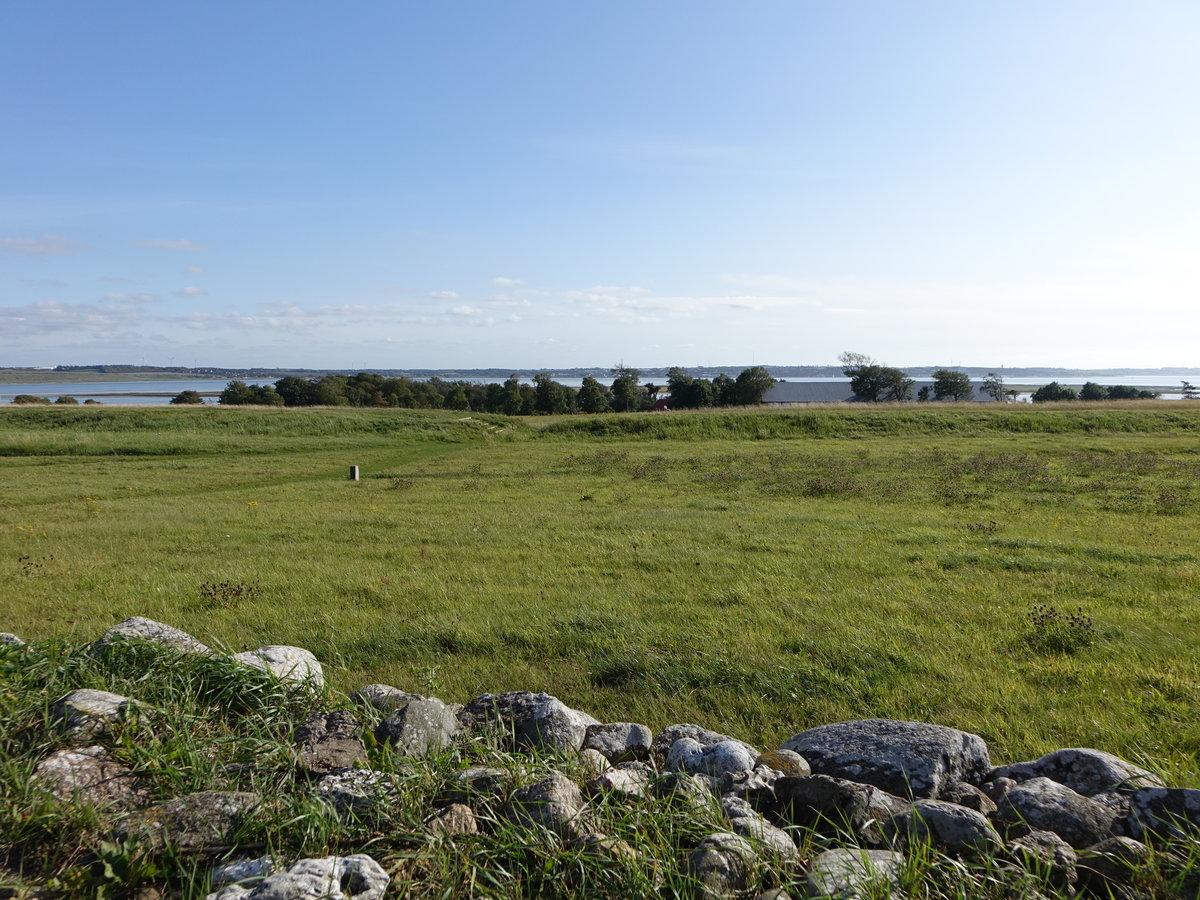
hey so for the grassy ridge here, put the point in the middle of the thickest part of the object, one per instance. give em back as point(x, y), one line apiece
point(719, 568)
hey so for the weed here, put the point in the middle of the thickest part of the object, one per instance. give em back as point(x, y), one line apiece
point(226, 594)
point(1052, 631)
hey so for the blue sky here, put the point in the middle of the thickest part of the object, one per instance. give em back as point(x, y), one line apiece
point(549, 184)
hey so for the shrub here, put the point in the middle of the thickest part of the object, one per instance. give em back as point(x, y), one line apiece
point(30, 400)
point(186, 397)
point(67, 401)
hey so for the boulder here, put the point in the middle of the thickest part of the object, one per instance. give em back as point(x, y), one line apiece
point(1111, 864)
point(8, 639)
point(908, 759)
point(826, 804)
point(249, 871)
point(196, 823)
point(418, 728)
point(631, 782)
point(357, 789)
point(850, 874)
point(762, 833)
point(694, 791)
point(722, 865)
point(971, 797)
point(718, 760)
point(757, 786)
point(593, 762)
point(286, 663)
point(382, 697)
point(619, 741)
point(1169, 812)
point(1046, 805)
point(1044, 853)
point(137, 628)
point(86, 713)
point(89, 777)
point(356, 877)
point(1083, 770)
point(666, 738)
point(450, 821)
point(330, 741)
point(960, 831)
point(785, 762)
point(530, 720)
point(478, 786)
point(554, 803)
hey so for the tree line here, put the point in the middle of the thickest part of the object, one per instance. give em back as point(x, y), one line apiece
point(513, 397)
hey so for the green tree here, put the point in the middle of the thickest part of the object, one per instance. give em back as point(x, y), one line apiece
point(553, 399)
point(457, 398)
point(752, 385)
point(592, 396)
point(1126, 392)
point(872, 382)
point(66, 400)
point(1093, 391)
point(1053, 391)
point(626, 396)
point(185, 398)
point(993, 386)
point(514, 400)
point(1189, 391)
point(951, 385)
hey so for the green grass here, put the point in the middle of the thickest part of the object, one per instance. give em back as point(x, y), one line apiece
point(755, 572)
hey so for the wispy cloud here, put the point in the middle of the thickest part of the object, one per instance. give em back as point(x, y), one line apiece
point(179, 244)
point(189, 292)
point(501, 281)
point(46, 245)
point(114, 314)
point(443, 295)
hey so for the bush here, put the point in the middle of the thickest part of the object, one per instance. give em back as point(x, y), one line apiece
point(30, 400)
point(67, 401)
point(187, 397)
point(1053, 391)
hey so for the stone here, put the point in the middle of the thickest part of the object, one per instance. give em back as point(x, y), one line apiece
point(693, 791)
point(1111, 862)
point(756, 785)
point(718, 759)
point(554, 803)
point(722, 864)
point(196, 823)
point(330, 741)
point(244, 871)
point(88, 713)
point(530, 720)
point(826, 804)
point(1083, 770)
point(286, 663)
point(1045, 853)
point(478, 785)
point(1168, 812)
point(785, 762)
point(357, 789)
point(960, 831)
point(356, 877)
point(762, 833)
point(997, 788)
point(971, 797)
point(593, 762)
point(619, 741)
point(450, 821)
point(666, 738)
point(908, 759)
point(1046, 805)
point(382, 697)
point(7, 639)
point(137, 628)
point(418, 728)
point(88, 776)
point(850, 874)
point(629, 782)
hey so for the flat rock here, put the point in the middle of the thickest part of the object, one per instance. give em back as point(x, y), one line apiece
point(530, 720)
point(1083, 770)
point(722, 865)
point(137, 628)
point(958, 830)
point(248, 871)
point(908, 759)
point(286, 663)
point(1046, 805)
point(330, 741)
point(87, 712)
point(383, 697)
point(850, 874)
point(89, 777)
point(356, 877)
point(619, 741)
point(196, 823)
point(419, 728)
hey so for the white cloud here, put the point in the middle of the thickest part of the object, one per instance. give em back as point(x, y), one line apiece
point(190, 292)
point(180, 244)
point(46, 245)
point(443, 295)
point(195, 270)
point(501, 281)
point(113, 315)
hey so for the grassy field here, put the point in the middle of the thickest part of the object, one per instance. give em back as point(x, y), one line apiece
point(1027, 574)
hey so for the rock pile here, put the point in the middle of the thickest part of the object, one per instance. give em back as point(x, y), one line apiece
point(868, 790)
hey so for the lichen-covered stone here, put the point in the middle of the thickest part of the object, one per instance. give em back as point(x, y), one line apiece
point(330, 741)
point(554, 803)
point(87, 713)
point(137, 628)
point(666, 738)
point(196, 823)
point(722, 864)
point(7, 639)
point(718, 759)
point(382, 697)
point(785, 762)
point(908, 759)
point(453, 820)
point(1164, 811)
point(830, 805)
point(848, 874)
point(1046, 805)
point(419, 728)
point(286, 663)
point(88, 777)
point(630, 782)
point(954, 828)
point(530, 720)
point(1083, 770)
point(357, 789)
point(1045, 853)
point(619, 741)
point(356, 877)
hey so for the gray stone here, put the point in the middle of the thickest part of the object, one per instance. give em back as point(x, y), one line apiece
point(10, 640)
point(757, 786)
point(87, 713)
point(960, 831)
point(908, 759)
point(554, 803)
point(969, 796)
point(593, 762)
point(629, 782)
point(89, 777)
point(137, 628)
point(383, 697)
point(244, 871)
point(1111, 862)
point(1045, 853)
point(785, 762)
point(196, 823)
point(695, 791)
point(330, 741)
point(356, 877)
point(418, 728)
point(719, 759)
point(850, 874)
point(478, 785)
point(826, 804)
point(619, 741)
point(722, 864)
point(666, 738)
point(1083, 770)
point(1170, 812)
point(1046, 805)
point(763, 834)
point(450, 821)
point(286, 663)
point(530, 720)
point(357, 789)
